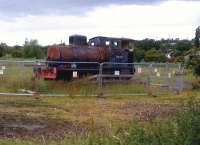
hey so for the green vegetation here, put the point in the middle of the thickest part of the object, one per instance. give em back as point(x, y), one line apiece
point(33, 50)
point(95, 121)
point(152, 119)
point(197, 37)
point(145, 50)
point(30, 49)
point(155, 119)
point(153, 55)
point(18, 77)
point(169, 50)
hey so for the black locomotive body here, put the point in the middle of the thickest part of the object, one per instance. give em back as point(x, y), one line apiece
point(85, 58)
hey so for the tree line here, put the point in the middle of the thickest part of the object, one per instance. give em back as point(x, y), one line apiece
point(168, 50)
point(147, 50)
point(30, 49)
point(164, 50)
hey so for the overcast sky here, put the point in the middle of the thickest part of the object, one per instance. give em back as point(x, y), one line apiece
point(51, 21)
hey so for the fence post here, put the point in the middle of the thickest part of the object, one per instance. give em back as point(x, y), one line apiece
point(149, 78)
point(180, 80)
point(1, 71)
point(100, 81)
point(168, 76)
point(149, 75)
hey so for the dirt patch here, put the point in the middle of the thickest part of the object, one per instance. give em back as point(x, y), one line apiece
point(21, 125)
point(147, 111)
point(154, 111)
point(106, 106)
point(15, 126)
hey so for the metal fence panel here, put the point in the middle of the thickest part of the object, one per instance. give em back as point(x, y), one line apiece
point(18, 77)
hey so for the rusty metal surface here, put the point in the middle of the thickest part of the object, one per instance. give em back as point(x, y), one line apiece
point(53, 53)
point(77, 53)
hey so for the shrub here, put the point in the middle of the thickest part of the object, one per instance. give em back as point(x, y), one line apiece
point(182, 129)
point(188, 123)
point(154, 55)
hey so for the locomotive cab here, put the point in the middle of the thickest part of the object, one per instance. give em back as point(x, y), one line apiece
point(120, 53)
point(120, 50)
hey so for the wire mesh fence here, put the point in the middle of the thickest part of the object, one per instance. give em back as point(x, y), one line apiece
point(108, 79)
point(147, 78)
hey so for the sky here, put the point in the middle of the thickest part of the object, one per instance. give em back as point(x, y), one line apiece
point(53, 21)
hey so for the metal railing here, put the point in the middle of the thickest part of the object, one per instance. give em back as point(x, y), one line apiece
point(147, 77)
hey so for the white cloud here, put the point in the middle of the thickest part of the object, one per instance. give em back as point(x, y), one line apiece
point(174, 19)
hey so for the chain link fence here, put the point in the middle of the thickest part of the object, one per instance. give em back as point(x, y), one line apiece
point(19, 78)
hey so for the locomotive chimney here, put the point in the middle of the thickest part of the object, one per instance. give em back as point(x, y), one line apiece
point(79, 40)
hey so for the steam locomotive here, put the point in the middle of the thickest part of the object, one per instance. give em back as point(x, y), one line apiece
point(83, 58)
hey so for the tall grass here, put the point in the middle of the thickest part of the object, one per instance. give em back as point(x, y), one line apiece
point(19, 77)
point(180, 129)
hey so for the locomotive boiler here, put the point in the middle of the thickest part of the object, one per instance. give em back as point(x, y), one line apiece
point(84, 58)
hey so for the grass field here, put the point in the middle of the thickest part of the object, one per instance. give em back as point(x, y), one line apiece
point(88, 120)
point(50, 120)
point(17, 77)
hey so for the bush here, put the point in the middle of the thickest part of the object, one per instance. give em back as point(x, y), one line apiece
point(194, 64)
point(154, 55)
point(32, 49)
point(3, 48)
point(179, 59)
point(182, 129)
point(188, 123)
point(197, 70)
point(17, 53)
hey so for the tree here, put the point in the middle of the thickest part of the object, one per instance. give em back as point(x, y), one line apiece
point(3, 48)
point(179, 59)
point(139, 55)
point(32, 49)
point(197, 37)
point(197, 70)
point(154, 55)
point(146, 44)
point(17, 51)
point(182, 46)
